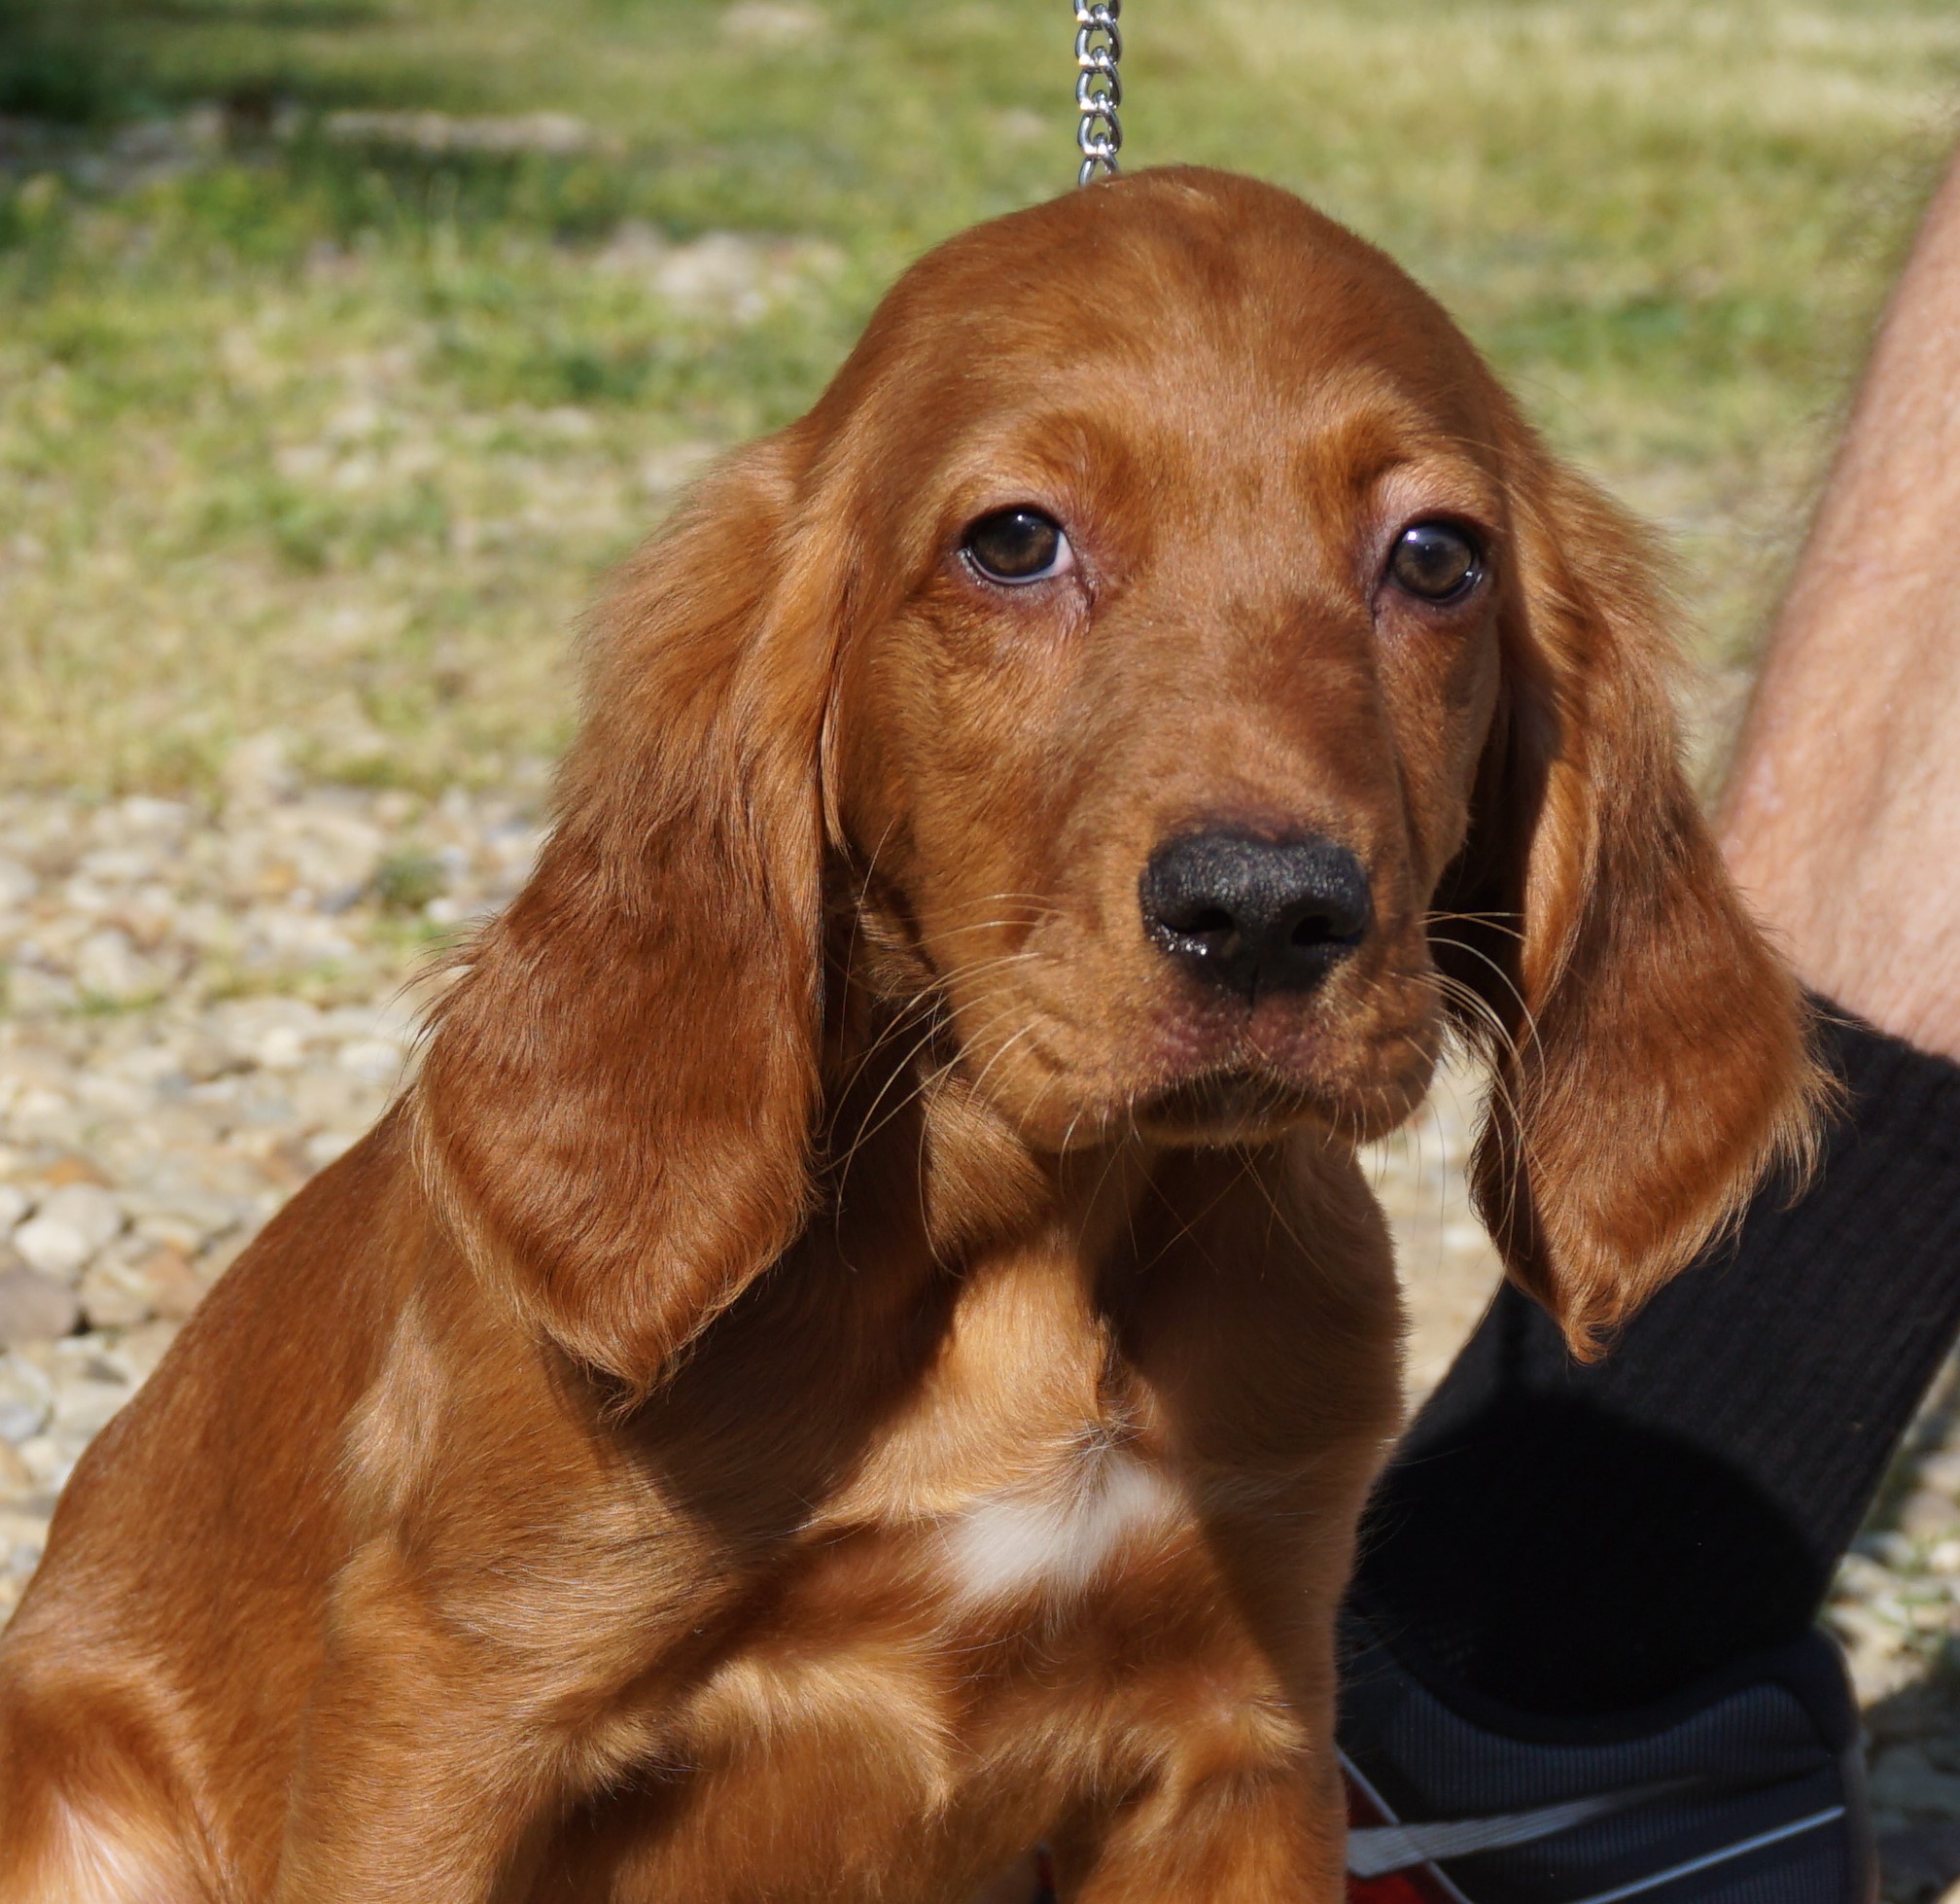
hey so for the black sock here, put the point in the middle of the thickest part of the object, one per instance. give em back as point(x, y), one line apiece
point(1572, 1540)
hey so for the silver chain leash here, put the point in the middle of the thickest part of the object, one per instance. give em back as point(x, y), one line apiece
point(1099, 90)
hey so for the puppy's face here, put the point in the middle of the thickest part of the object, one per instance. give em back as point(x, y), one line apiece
point(1160, 618)
point(1182, 554)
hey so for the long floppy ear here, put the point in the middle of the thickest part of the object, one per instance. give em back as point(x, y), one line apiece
point(1654, 1057)
point(615, 1106)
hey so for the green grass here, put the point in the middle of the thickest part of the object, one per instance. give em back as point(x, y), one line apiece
point(332, 436)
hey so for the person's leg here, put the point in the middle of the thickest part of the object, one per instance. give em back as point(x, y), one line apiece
point(1583, 1542)
point(1842, 815)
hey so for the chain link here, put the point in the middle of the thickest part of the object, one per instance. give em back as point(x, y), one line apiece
point(1099, 90)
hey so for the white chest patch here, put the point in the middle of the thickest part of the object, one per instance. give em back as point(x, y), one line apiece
point(1058, 1539)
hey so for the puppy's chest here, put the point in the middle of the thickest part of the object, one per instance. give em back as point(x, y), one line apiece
point(1012, 1588)
point(1026, 1473)
point(974, 1668)
point(1045, 1542)
point(939, 1617)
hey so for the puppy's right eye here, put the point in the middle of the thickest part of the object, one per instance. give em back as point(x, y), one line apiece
point(1015, 546)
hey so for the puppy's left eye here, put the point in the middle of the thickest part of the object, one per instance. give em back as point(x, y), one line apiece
point(1017, 546)
point(1436, 561)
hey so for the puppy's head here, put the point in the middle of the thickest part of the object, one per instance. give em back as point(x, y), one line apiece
point(1211, 691)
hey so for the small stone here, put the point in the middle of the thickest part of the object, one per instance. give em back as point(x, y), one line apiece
point(113, 1295)
point(47, 1464)
point(176, 1229)
point(1909, 1720)
point(1881, 1665)
point(715, 271)
point(73, 1170)
point(378, 1060)
point(258, 771)
point(118, 1099)
point(1861, 1575)
point(15, 1204)
point(1889, 1549)
point(772, 23)
point(36, 993)
point(35, 1308)
point(53, 1247)
point(1926, 1515)
point(14, 1478)
point(90, 1207)
point(86, 1404)
point(1942, 1473)
point(26, 1400)
point(108, 965)
point(114, 866)
point(283, 1047)
point(73, 1222)
point(1904, 1780)
point(23, 1536)
point(137, 1352)
point(132, 1286)
point(161, 822)
point(16, 884)
point(324, 1148)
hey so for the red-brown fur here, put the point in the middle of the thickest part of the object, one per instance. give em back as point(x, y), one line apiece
point(652, 1464)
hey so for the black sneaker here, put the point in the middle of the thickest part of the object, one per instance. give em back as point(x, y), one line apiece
point(1747, 1788)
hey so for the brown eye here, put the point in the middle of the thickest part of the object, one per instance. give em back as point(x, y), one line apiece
point(1017, 546)
point(1435, 562)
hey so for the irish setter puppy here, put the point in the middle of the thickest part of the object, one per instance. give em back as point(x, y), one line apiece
point(864, 1347)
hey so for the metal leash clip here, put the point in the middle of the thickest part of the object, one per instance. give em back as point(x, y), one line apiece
point(1099, 90)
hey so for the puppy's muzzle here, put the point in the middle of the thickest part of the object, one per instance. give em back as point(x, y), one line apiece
point(1254, 916)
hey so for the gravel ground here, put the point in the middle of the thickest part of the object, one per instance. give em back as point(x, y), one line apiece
point(203, 1006)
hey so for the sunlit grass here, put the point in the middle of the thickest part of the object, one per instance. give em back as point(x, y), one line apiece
point(331, 434)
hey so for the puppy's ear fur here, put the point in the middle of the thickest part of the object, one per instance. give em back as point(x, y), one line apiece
point(615, 1107)
point(1654, 1057)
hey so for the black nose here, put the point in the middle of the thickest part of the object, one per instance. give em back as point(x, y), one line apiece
point(1255, 915)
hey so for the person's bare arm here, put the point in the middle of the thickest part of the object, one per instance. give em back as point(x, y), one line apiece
point(1842, 820)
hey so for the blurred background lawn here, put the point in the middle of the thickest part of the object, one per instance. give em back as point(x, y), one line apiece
point(343, 341)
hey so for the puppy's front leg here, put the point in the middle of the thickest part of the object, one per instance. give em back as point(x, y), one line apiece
point(430, 1751)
